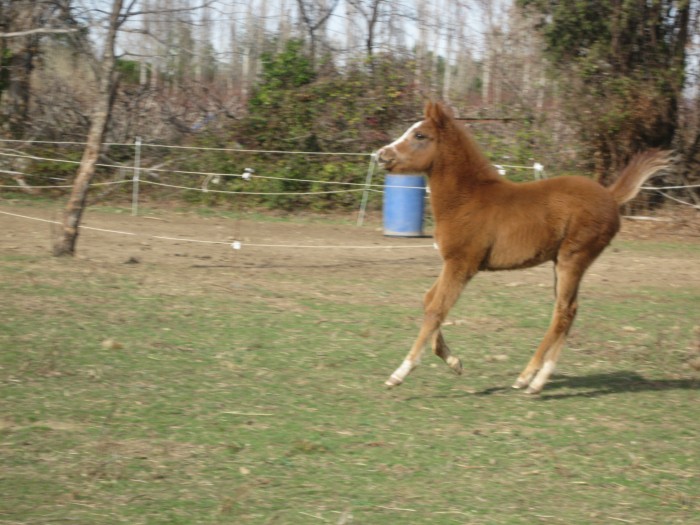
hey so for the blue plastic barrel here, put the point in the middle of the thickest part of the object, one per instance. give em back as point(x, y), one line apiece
point(404, 203)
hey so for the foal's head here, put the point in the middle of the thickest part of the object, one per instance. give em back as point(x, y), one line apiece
point(416, 149)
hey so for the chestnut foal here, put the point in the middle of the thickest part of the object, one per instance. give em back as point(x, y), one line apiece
point(484, 222)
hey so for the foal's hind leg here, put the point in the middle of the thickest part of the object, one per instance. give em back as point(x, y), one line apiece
point(438, 301)
point(439, 345)
point(441, 350)
point(542, 364)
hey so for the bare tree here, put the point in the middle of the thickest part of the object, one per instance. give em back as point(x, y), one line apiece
point(171, 26)
point(314, 15)
point(422, 42)
point(450, 8)
point(105, 71)
point(249, 59)
point(22, 24)
point(284, 28)
point(370, 11)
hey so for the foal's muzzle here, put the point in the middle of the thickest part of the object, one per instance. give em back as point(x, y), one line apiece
point(386, 158)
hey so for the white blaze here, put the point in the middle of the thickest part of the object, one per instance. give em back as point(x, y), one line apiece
point(405, 135)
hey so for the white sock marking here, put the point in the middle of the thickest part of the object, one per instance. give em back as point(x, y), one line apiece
point(542, 376)
point(404, 369)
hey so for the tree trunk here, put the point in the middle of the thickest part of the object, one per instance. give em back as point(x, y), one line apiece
point(19, 53)
point(65, 245)
point(99, 119)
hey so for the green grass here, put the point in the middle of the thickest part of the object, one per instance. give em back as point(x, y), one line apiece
point(263, 402)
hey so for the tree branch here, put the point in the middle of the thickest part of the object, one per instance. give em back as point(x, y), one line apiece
point(39, 30)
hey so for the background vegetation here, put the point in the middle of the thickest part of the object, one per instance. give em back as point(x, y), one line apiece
point(584, 84)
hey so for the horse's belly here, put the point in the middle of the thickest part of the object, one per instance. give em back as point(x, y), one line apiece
point(510, 257)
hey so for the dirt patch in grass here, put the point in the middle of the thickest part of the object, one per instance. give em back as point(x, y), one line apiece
point(269, 248)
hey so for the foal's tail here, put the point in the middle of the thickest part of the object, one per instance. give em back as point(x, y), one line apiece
point(640, 168)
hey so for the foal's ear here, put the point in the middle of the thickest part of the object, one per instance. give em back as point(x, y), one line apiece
point(438, 113)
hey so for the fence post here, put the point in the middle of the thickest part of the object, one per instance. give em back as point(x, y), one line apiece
point(365, 194)
point(137, 172)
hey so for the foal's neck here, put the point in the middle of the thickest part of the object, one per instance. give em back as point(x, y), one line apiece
point(460, 166)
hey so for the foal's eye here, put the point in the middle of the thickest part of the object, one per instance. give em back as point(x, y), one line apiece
point(420, 136)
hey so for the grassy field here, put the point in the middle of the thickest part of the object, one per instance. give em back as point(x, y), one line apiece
point(157, 393)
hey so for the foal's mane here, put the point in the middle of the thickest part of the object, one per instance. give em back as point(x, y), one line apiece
point(458, 149)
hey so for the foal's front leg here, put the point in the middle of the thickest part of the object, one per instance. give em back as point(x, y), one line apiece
point(438, 301)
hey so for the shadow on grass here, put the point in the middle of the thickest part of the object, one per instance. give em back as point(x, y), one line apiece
point(593, 385)
point(596, 385)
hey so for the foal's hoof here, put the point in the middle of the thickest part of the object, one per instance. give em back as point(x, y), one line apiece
point(533, 391)
point(523, 381)
point(393, 381)
point(455, 364)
